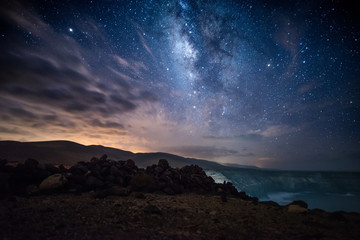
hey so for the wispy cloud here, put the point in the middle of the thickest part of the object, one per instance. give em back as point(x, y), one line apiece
point(66, 95)
point(202, 151)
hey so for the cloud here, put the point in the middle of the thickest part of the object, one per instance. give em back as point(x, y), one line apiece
point(202, 151)
point(106, 124)
point(123, 103)
point(9, 130)
point(59, 84)
point(250, 137)
point(21, 113)
point(277, 130)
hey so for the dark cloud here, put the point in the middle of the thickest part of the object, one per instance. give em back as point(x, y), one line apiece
point(77, 107)
point(106, 124)
point(88, 96)
point(12, 130)
point(56, 94)
point(122, 103)
point(54, 73)
point(21, 113)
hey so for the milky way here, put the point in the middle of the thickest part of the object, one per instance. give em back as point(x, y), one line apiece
point(259, 83)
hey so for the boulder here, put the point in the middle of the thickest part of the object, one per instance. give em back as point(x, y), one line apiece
point(32, 189)
point(53, 182)
point(270, 203)
point(164, 164)
point(93, 182)
point(139, 195)
point(144, 183)
point(31, 163)
point(3, 163)
point(168, 190)
point(152, 209)
point(130, 163)
point(51, 168)
point(118, 191)
point(115, 171)
point(79, 169)
point(299, 203)
point(4, 182)
point(94, 159)
point(296, 209)
point(103, 157)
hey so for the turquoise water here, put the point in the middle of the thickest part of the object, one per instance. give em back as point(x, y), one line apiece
point(331, 191)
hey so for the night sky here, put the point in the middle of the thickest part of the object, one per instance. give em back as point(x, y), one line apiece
point(274, 84)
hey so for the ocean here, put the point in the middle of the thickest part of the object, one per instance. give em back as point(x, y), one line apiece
point(330, 191)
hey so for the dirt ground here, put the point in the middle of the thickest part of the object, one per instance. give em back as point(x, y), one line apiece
point(157, 216)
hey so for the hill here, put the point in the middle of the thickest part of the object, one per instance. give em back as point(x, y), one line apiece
point(69, 153)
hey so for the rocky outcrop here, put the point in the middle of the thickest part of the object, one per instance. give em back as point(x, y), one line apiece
point(106, 177)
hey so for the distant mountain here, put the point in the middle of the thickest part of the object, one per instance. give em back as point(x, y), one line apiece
point(56, 152)
point(69, 153)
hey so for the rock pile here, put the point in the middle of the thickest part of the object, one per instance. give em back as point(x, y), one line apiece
point(106, 177)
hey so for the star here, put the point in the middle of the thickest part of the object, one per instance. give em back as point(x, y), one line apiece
point(246, 73)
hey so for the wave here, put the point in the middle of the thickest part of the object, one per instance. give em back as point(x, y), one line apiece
point(327, 190)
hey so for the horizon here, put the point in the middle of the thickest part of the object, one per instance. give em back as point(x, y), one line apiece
point(267, 84)
point(225, 164)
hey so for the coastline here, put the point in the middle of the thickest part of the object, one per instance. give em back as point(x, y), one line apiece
point(106, 199)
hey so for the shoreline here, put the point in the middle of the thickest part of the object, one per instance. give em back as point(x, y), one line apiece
point(106, 199)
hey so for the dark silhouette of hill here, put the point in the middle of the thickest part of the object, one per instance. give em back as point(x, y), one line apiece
point(69, 153)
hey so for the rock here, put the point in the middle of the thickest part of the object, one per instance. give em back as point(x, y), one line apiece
point(168, 190)
point(270, 203)
point(296, 209)
point(51, 168)
point(100, 193)
point(62, 169)
point(158, 171)
point(53, 182)
point(163, 163)
point(213, 213)
point(338, 216)
point(299, 203)
point(77, 179)
point(3, 163)
point(4, 182)
point(103, 157)
point(32, 189)
point(223, 197)
point(31, 163)
point(105, 171)
point(152, 209)
point(140, 195)
point(79, 169)
point(119, 191)
point(130, 163)
point(144, 183)
point(93, 182)
point(115, 171)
